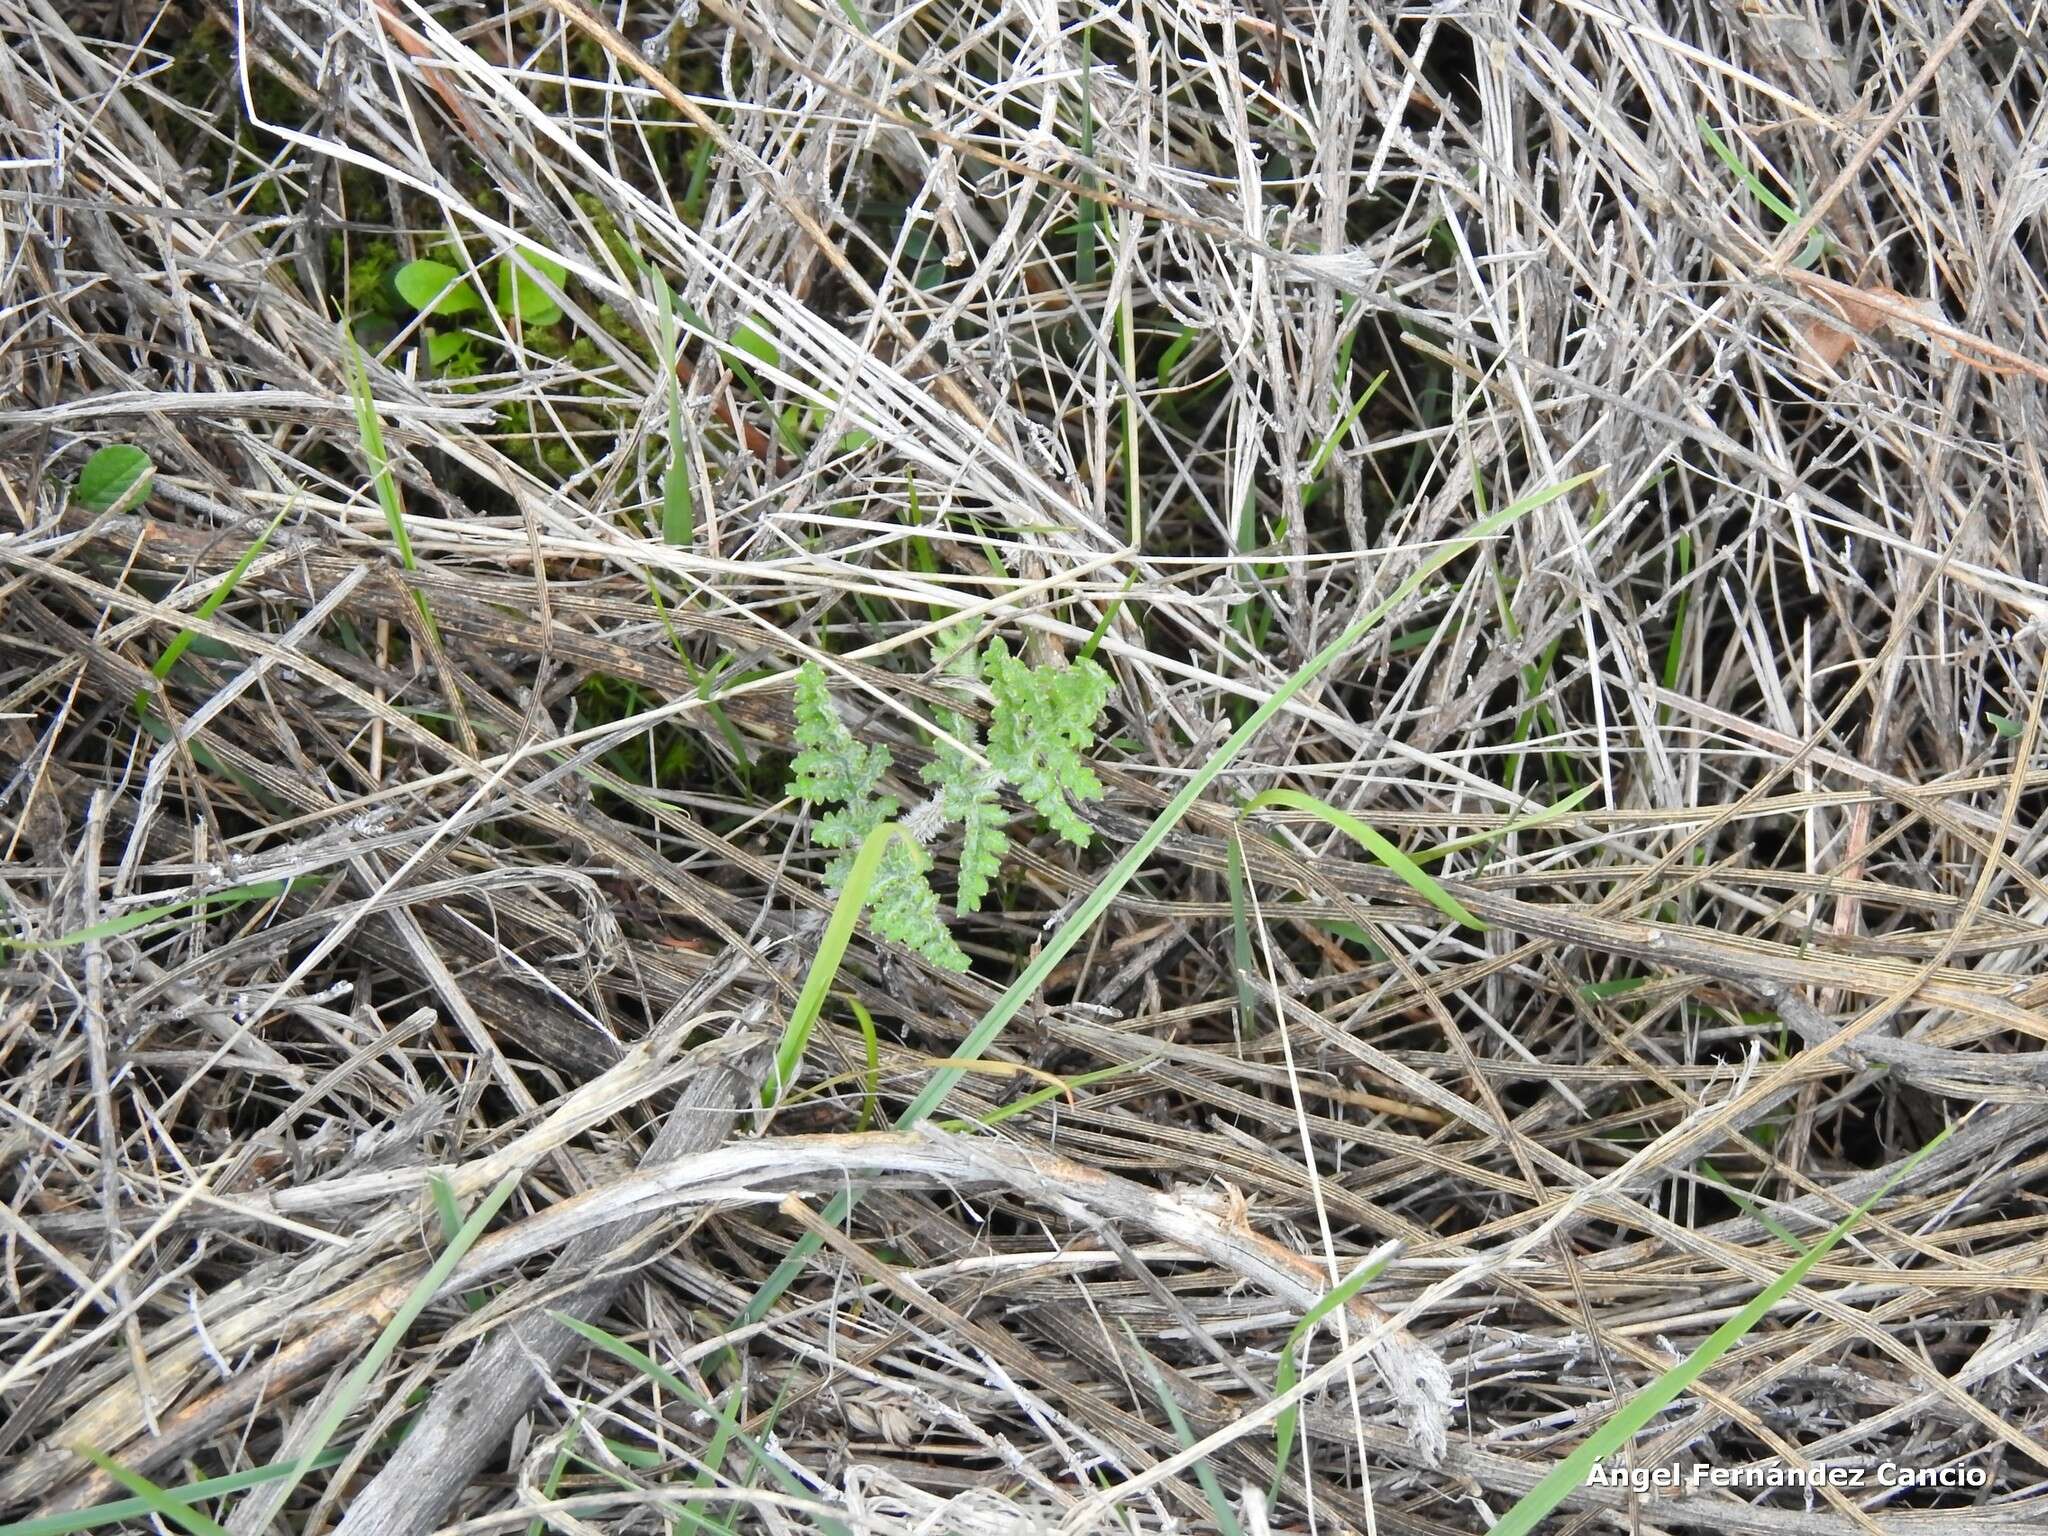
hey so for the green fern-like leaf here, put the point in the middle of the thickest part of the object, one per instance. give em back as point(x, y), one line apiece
point(832, 765)
point(967, 795)
point(906, 908)
point(1042, 727)
point(834, 769)
point(1044, 721)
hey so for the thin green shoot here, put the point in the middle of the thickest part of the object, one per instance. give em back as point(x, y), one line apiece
point(1412, 874)
point(1345, 348)
point(722, 1433)
point(1110, 885)
point(1533, 676)
point(1241, 960)
point(1320, 461)
point(1421, 639)
point(1084, 241)
point(1564, 807)
point(722, 1437)
point(450, 1211)
point(1134, 524)
point(161, 1502)
point(871, 1042)
point(734, 355)
point(846, 911)
point(1162, 372)
point(704, 681)
point(674, 1385)
point(1024, 1103)
point(1219, 1506)
point(700, 175)
point(1566, 1477)
point(678, 510)
point(161, 667)
point(357, 1382)
point(1094, 641)
point(1816, 243)
point(553, 1481)
point(643, 1460)
point(1674, 650)
point(124, 1511)
point(142, 917)
point(1340, 1295)
point(381, 476)
point(1351, 933)
point(445, 1206)
point(1618, 986)
point(1254, 626)
point(1750, 1208)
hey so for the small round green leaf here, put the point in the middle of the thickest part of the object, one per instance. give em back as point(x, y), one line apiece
point(434, 287)
point(118, 475)
point(452, 355)
point(520, 295)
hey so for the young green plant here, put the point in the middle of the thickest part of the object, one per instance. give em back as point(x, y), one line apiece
point(1076, 927)
point(1042, 727)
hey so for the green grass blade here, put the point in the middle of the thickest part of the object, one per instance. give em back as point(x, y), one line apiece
point(700, 172)
point(128, 922)
point(450, 1211)
point(161, 1502)
point(1283, 1380)
point(1321, 460)
point(1182, 343)
point(1413, 874)
point(846, 911)
point(678, 510)
point(705, 681)
point(1120, 874)
point(1815, 243)
point(121, 1511)
point(1088, 211)
point(1750, 1208)
point(871, 1042)
point(358, 1381)
point(1088, 649)
point(735, 357)
point(1134, 515)
point(1674, 650)
point(381, 477)
point(1745, 175)
point(556, 1468)
point(1219, 1506)
point(673, 1384)
point(1639, 1410)
point(1024, 1103)
point(1564, 807)
point(210, 605)
point(445, 1207)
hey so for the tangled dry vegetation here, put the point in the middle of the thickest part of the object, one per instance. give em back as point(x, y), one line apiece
point(404, 900)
